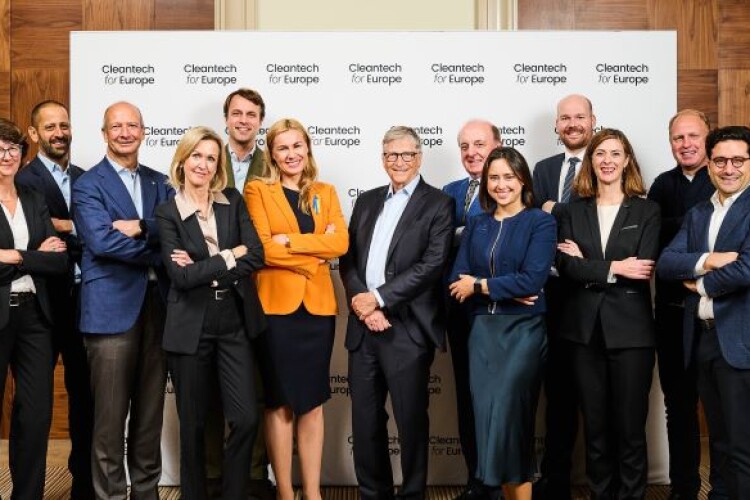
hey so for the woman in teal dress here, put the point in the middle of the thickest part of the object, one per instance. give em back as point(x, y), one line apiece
point(501, 267)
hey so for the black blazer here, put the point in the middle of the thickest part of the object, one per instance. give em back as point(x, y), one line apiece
point(546, 180)
point(624, 306)
point(35, 263)
point(190, 290)
point(417, 256)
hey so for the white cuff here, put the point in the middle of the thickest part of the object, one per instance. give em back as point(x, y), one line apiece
point(701, 288)
point(699, 269)
point(381, 303)
point(229, 259)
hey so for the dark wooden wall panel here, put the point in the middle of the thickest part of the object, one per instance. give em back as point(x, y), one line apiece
point(114, 16)
point(547, 14)
point(611, 15)
point(734, 34)
point(40, 32)
point(699, 89)
point(184, 15)
point(696, 23)
point(734, 105)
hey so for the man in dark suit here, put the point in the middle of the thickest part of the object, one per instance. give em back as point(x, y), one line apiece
point(553, 179)
point(676, 191)
point(51, 174)
point(244, 111)
point(710, 255)
point(122, 310)
point(399, 241)
point(476, 139)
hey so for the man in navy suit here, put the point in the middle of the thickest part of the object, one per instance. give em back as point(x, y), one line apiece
point(553, 179)
point(122, 311)
point(711, 256)
point(51, 174)
point(476, 139)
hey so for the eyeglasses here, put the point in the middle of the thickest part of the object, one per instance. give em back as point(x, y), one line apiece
point(736, 161)
point(14, 151)
point(407, 156)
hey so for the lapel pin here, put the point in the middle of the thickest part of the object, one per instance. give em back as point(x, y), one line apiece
point(316, 204)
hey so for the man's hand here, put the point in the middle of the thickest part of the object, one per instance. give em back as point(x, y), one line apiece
point(377, 322)
point(53, 244)
point(364, 304)
point(633, 268)
point(130, 228)
point(691, 285)
point(62, 225)
point(547, 206)
point(716, 260)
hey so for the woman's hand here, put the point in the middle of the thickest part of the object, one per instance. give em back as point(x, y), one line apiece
point(239, 251)
point(12, 257)
point(570, 247)
point(181, 258)
point(463, 288)
point(633, 268)
point(53, 244)
point(281, 239)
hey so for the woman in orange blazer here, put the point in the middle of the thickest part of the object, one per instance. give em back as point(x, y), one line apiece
point(300, 224)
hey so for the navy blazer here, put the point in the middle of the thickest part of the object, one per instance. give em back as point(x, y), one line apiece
point(190, 290)
point(729, 286)
point(35, 263)
point(623, 309)
point(457, 190)
point(546, 180)
point(524, 249)
point(114, 267)
point(416, 260)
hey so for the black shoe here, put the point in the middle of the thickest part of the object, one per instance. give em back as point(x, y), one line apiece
point(261, 489)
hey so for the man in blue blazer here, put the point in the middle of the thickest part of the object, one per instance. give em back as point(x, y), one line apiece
point(122, 311)
point(476, 139)
point(553, 178)
point(711, 256)
point(51, 174)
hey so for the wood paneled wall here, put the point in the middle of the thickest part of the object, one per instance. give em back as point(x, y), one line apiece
point(34, 65)
point(713, 43)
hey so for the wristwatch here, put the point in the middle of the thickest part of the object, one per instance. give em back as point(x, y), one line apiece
point(478, 285)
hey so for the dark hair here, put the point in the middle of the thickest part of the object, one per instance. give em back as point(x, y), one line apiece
point(731, 133)
point(585, 183)
point(40, 106)
point(520, 169)
point(9, 132)
point(249, 94)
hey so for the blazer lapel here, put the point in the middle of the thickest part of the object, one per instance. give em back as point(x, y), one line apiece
point(222, 215)
point(316, 210)
point(52, 192)
point(148, 192)
point(29, 212)
point(736, 214)
point(117, 191)
point(413, 207)
point(6, 235)
point(620, 218)
point(277, 193)
point(592, 222)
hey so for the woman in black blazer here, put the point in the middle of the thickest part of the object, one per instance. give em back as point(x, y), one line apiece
point(29, 250)
point(210, 249)
point(609, 240)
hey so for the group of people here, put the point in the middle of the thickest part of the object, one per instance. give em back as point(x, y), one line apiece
point(219, 275)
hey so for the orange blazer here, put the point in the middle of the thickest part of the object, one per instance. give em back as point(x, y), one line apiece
point(295, 275)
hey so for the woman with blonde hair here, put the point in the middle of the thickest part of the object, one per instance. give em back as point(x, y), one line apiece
point(210, 249)
point(301, 226)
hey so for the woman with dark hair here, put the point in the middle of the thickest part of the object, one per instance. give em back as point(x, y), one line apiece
point(609, 241)
point(300, 223)
point(210, 249)
point(502, 264)
point(29, 250)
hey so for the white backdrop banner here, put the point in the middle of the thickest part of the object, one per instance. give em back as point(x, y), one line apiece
point(348, 89)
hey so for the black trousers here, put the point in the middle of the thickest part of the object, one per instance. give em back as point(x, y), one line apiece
point(725, 393)
point(390, 362)
point(680, 387)
point(459, 326)
point(614, 387)
point(68, 344)
point(26, 345)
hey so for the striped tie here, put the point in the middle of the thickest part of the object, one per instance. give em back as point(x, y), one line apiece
point(568, 185)
point(469, 196)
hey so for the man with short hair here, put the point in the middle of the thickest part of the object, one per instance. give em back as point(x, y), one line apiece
point(710, 255)
point(476, 139)
point(122, 309)
point(244, 111)
point(553, 189)
point(676, 191)
point(399, 241)
point(51, 174)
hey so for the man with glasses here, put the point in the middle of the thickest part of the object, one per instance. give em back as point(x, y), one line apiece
point(476, 139)
point(399, 241)
point(122, 307)
point(51, 174)
point(710, 255)
point(676, 191)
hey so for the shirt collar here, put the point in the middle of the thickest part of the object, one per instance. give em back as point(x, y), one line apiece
point(729, 201)
point(120, 169)
point(51, 165)
point(246, 159)
point(408, 189)
point(186, 207)
point(569, 155)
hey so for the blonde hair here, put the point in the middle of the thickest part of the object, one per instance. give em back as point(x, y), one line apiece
point(185, 148)
point(271, 171)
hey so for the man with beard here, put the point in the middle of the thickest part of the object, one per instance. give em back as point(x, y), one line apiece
point(476, 139)
point(51, 174)
point(553, 182)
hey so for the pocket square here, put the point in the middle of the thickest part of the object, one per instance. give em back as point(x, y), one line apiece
point(634, 226)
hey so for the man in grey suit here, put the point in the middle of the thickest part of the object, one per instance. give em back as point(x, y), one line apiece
point(553, 180)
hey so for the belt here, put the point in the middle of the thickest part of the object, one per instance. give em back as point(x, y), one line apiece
point(18, 298)
point(707, 324)
point(221, 294)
